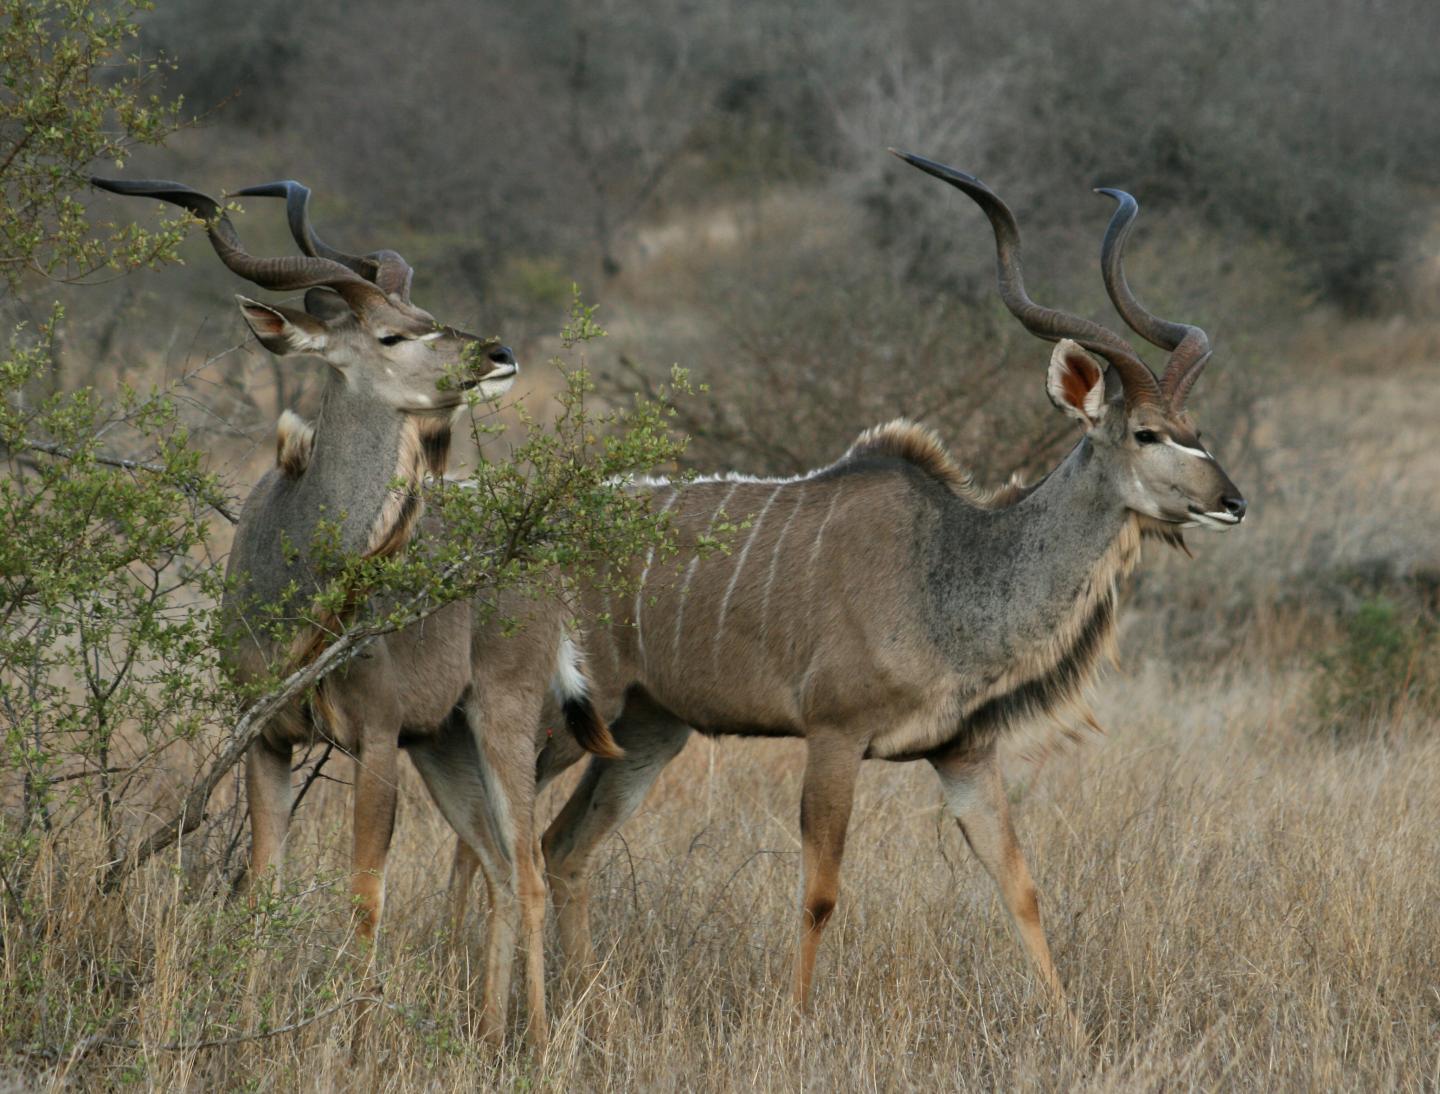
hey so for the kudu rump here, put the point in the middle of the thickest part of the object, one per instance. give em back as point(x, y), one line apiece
point(462, 699)
point(884, 608)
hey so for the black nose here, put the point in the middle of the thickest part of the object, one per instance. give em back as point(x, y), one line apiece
point(1234, 506)
point(502, 355)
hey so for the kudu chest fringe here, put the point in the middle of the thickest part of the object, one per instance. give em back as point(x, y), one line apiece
point(1045, 687)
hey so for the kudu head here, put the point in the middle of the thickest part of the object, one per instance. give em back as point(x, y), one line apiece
point(1137, 424)
point(357, 316)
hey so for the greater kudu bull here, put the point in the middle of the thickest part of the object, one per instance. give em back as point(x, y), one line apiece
point(885, 608)
point(461, 698)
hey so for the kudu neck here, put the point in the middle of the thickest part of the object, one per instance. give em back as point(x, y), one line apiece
point(1082, 489)
point(1075, 514)
point(1026, 559)
point(367, 460)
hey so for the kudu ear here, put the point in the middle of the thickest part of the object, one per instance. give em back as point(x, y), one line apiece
point(283, 331)
point(326, 304)
point(1076, 383)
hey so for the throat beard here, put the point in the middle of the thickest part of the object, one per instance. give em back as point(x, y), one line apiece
point(424, 448)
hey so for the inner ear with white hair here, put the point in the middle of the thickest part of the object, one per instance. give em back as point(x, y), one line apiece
point(1076, 383)
point(283, 331)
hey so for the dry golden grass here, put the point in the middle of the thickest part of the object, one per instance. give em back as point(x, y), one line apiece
point(1231, 902)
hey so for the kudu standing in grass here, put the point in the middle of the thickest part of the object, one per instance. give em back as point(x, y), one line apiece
point(884, 608)
point(462, 699)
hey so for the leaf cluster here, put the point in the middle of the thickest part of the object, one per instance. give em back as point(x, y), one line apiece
point(72, 92)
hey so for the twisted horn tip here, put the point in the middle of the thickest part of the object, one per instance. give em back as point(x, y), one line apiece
point(939, 170)
point(1122, 199)
point(279, 189)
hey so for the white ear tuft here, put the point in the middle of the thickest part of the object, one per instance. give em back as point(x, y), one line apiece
point(1076, 382)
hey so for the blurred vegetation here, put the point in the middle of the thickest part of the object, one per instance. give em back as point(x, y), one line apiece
point(75, 93)
point(101, 556)
point(1386, 664)
point(550, 128)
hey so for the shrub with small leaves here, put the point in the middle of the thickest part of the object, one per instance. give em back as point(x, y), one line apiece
point(74, 94)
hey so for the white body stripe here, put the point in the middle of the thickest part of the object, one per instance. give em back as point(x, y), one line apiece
point(739, 566)
point(694, 562)
point(810, 599)
point(640, 590)
point(820, 533)
point(774, 563)
point(610, 636)
point(680, 607)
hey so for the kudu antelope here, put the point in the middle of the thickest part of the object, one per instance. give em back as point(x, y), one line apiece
point(885, 608)
point(460, 698)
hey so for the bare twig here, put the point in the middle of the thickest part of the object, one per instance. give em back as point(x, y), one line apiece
point(61, 451)
point(312, 777)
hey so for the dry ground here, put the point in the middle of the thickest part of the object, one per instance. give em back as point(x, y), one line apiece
point(1233, 900)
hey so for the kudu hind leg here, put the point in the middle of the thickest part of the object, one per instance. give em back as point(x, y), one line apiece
point(608, 794)
point(483, 782)
point(826, 798)
point(462, 880)
point(975, 796)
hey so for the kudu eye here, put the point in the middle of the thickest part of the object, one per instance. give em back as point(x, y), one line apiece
point(1146, 436)
point(393, 339)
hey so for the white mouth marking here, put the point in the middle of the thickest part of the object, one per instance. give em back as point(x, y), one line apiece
point(432, 336)
point(494, 384)
point(1217, 521)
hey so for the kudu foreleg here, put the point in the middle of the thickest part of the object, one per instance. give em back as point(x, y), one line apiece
point(375, 798)
point(975, 797)
point(831, 766)
point(267, 789)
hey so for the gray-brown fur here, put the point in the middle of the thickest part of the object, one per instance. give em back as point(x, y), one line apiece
point(885, 608)
point(867, 547)
point(453, 691)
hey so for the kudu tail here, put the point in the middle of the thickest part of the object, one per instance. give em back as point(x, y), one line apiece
point(582, 720)
point(589, 729)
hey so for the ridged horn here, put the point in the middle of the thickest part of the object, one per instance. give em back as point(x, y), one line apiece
point(1139, 382)
point(285, 274)
point(385, 268)
point(1189, 346)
